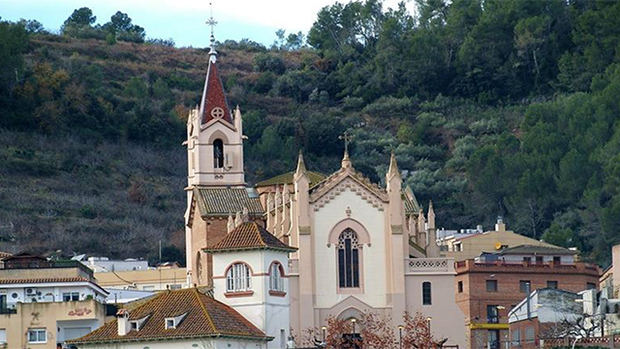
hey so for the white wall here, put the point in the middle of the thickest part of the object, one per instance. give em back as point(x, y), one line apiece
point(447, 319)
point(269, 313)
point(373, 272)
point(45, 293)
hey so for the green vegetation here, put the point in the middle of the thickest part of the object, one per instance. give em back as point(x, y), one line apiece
point(509, 109)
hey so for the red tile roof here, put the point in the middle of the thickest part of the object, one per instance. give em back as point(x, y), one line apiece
point(206, 317)
point(213, 96)
point(248, 236)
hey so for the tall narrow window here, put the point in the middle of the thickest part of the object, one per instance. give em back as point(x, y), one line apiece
point(238, 278)
point(348, 260)
point(218, 153)
point(426, 293)
point(275, 278)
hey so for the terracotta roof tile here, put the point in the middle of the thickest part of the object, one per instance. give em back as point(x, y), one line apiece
point(225, 201)
point(213, 96)
point(206, 317)
point(249, 235)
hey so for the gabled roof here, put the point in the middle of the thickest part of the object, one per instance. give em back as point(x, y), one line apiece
point(206, 317)
point(536, 250)
point(249, 236)
point(213, 96)
point(287, 178)
point(332, 180)
point(226, 201)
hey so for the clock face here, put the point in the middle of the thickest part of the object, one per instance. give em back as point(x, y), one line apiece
point(217, 112)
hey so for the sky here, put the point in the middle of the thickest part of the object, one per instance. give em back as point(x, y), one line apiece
point(184, 20)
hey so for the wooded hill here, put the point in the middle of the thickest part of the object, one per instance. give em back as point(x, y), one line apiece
point(511, 109)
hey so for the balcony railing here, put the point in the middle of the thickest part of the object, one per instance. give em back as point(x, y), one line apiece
point(425, 265)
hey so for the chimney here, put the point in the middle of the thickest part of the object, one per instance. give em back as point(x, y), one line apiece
point(122, 318)
point(500, 226)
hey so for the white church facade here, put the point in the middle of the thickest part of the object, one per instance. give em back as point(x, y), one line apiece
point(345, 246)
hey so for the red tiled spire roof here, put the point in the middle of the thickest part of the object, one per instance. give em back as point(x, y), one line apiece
point(214, 104)
point(205, 317)
point(249, 236)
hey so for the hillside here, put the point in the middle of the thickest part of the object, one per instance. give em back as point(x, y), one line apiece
point(511, 110)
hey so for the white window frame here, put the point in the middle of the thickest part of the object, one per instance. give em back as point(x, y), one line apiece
point(276, 281)
point(238, 278)
point(37, 333)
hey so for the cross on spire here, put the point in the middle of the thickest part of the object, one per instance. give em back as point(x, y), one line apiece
point(212, 23)
point(346, 137)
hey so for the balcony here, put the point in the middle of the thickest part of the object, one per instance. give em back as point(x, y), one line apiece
point(429, 265)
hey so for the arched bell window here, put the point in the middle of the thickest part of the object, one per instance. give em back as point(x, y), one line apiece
point(238, 278)
point(218, 153)
point(348, 260)
point(276, 283)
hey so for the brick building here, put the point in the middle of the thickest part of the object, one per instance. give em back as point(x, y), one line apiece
point(489, 286)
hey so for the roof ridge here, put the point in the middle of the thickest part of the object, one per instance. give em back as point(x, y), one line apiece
point(204, 309)
point(260, 235)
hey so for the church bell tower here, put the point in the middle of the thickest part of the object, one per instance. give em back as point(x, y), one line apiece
point(214, 135)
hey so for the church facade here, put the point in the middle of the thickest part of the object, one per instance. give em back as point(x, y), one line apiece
point(355, 247)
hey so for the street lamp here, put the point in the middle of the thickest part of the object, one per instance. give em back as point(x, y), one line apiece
point(400, 336)
point(324, 330)
point(353, 321)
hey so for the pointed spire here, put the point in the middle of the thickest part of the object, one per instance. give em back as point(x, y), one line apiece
point(278, 197)
point(421, 222)
point(346, 161)
point(230, 226)
point(213, 104)
point(346, 136)
point(393, 170)
point(301, 165)
point(238, 219)
point(431, 215)
point(245, 217)
point(285, 194)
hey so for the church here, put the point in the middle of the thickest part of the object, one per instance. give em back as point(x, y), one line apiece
point(343, 245)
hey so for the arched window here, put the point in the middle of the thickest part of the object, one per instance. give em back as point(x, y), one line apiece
point(275, 278)
point(238, 278)
point(218, 153)
point(426, 293)
point(348, 260)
